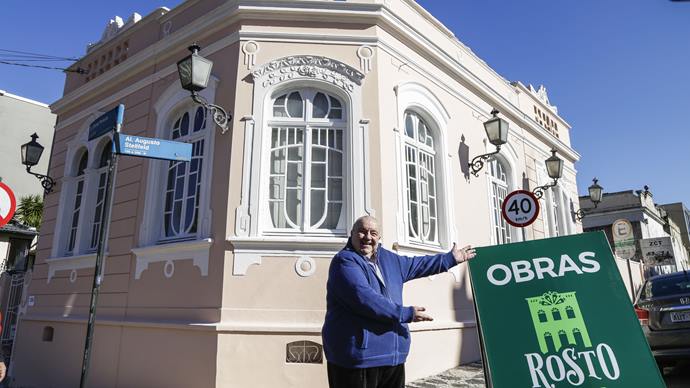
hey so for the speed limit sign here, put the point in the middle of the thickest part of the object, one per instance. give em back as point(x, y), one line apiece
point(520, 208)
point(8, 204)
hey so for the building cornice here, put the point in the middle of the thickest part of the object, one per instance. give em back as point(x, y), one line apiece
point(378, 14)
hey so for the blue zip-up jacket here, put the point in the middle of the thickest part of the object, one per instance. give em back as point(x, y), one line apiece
point(366, 322)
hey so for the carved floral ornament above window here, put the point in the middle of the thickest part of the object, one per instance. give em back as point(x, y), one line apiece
point(308, 66)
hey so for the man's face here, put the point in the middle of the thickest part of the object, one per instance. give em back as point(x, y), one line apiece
point(365, 237)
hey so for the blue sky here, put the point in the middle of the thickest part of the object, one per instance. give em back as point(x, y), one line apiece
point(618, 70)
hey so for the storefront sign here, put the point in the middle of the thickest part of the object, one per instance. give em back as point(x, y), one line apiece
point(520, 208)
point(148, 147)
point(624, 244)
point(8, 204)
point(657, 251)
point(555, 313)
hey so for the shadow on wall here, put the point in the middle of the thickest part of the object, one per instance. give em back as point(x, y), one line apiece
point(463, 305)
point(464, 158)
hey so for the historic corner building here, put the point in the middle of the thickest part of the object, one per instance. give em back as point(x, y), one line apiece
point(216, 268)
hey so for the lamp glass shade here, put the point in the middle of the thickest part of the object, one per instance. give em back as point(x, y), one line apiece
point(31, 152)
point(595, 192)
point(194, 72)
point(554, 166)
point(496, 130)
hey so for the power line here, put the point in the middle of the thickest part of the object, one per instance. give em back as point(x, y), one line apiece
point(27, 54)
point(78, 70)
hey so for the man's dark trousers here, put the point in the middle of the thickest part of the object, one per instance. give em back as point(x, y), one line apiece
point(375, 377)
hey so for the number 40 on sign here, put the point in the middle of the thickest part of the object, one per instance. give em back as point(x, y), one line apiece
point(520, 208)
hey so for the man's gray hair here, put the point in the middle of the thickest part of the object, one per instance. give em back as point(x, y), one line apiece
point(358, 222)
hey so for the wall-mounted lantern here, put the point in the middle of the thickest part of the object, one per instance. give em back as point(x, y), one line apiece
point(554, 167)
point(595, 194)
point(497, 131)
point(31, 155)
point(195, 72)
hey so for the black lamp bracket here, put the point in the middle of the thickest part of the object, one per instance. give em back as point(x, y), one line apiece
point(220, 116)
point(46, 181)
point(477, 162)
point(540, 190)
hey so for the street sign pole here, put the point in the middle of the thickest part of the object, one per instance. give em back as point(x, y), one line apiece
point(98, 270)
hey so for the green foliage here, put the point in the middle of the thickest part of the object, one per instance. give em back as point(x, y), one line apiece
point(30, 210)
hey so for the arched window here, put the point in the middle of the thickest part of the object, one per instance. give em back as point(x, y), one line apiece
point(183, 184)
point(78, 196)
point(542, 316)
point(306, 182)
point(102, 174)
point(499, 191)
point(420, 169)
point(556, 314)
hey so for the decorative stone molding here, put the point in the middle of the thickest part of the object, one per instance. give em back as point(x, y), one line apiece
point(305, 266)
point(71, 263)
point(250, 49)
point(113, 28)
point(309, 67)
point(198, 251)
point(365, 54)
point(249, 251)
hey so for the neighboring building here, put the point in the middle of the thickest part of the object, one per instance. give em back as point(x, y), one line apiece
point(19, 118)
point(651, 227)
point(216, 269)
point(681, 217)
point(16, 263)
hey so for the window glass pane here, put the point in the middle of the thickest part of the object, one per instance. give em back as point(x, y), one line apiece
point(83, 162)
point(279, 107)
point(277, 215)
point(333, 216)
point(409, 126)
point(199, 119)
point(318, 154)
point(105, 154)
point(318, 175)
point(335, 189)
point(295, 105)
point(335, 103)
point(294, 205)
point(184, 124)
point(318, 205)
point(336, 114)
point(335, 163)
point(278, 161)
point(320, 106)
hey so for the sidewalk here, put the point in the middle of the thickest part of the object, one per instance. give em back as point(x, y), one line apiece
point(464, 376)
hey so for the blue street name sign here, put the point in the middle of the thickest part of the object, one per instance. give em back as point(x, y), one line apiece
point(107, 122)
point(148, 147)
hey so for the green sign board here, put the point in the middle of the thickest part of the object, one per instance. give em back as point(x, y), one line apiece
point(555, 313)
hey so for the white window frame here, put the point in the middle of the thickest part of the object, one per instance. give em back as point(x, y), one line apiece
point(306, 123)
point(152, 247)
point(495, 209)
point(415, 97)
point(75, 149)
point(253, 236)
point(169, 106)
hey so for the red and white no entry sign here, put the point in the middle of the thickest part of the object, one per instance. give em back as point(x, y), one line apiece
point(8, 204)
point(520, 208)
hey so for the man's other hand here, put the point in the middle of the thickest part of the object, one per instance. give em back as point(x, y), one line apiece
point(419, 316)
point(461, 255)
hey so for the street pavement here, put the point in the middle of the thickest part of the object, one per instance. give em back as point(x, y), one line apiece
point(472, 376)
point(463, 376)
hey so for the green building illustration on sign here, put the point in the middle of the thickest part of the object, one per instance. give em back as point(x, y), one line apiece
point(558, 322)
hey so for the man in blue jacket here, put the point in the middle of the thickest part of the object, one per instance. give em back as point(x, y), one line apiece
point(365, 334)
